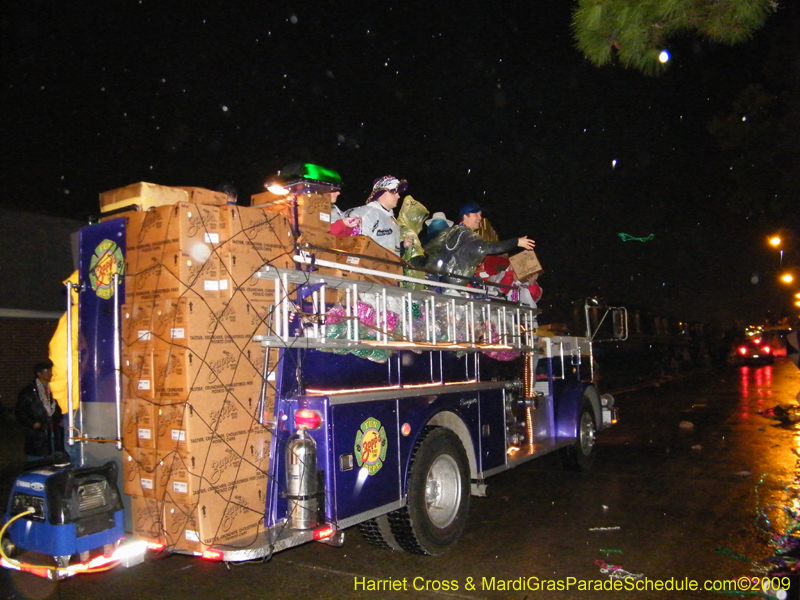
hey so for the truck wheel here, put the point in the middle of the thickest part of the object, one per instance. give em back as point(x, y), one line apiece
point(580, 455)
point(438, 495)
point(378, 532)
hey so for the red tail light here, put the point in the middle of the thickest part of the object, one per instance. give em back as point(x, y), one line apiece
point(743, 350)
point(766, 349)
point(323, 532)
point(307, 419)
point(155, 546)
point(212, 555)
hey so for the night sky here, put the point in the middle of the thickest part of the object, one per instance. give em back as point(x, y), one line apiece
point(484, 102)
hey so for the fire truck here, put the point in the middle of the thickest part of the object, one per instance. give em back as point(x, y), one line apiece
point(380, 399)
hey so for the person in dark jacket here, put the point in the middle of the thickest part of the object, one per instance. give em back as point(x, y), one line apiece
point(459, 250)
point(39, 413)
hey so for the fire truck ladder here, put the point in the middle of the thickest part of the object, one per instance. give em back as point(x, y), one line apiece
point(367, 315)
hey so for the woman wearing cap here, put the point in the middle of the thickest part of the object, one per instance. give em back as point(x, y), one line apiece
point(459, 250)
point(377, 215)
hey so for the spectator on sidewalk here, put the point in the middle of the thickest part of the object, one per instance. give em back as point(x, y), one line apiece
point(39, 413)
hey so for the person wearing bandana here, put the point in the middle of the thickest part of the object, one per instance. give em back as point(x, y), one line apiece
point(377, 215)
point(39, 413)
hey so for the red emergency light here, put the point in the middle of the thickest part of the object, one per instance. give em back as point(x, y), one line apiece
point(307, 419)
point(323, 532)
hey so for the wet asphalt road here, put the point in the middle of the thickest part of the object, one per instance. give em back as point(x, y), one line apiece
point(671, 501)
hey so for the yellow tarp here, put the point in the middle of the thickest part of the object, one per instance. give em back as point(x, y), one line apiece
point(58, 353)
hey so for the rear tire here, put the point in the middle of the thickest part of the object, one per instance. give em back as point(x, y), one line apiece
point(437, 505)
point(580, 455)
point(378, 532)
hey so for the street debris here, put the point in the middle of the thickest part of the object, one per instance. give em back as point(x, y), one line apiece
point(616, 571)
point(785, 413)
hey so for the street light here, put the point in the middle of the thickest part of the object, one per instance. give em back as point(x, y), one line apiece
point(787, 278)
point(775, 241)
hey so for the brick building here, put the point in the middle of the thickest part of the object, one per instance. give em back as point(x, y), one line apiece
point(36, 256)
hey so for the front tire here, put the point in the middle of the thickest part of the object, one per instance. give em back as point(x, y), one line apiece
point(435, 513)
point(580, 455)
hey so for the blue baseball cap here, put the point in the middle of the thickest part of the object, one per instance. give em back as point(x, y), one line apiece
point(470, 208)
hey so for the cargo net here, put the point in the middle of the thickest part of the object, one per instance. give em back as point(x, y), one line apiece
point(196, 386)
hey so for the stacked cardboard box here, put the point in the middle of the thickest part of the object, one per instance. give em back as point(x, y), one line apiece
point(306, 211)
point(365, 253)
point(195, 456)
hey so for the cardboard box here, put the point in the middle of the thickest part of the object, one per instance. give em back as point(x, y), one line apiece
point(180, 373)
point(144, 195)
point(203, 196)
point(194, 229)
point(137, 372)
point(362, 251)
point(263, 232)
point(313, 210)
point(190, 321)
point(139, 423)
point(211, 473)
point(147, 519)
point(525, 264)
point(198, 424)
point(139, 473)
point(173, 275)
point(318, 238)
point(233, 522)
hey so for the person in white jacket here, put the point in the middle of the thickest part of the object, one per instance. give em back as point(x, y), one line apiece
point(377, 215)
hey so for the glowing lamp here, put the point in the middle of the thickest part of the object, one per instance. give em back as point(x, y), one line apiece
point(307, 419)
point(276, 188)
point(323, 532)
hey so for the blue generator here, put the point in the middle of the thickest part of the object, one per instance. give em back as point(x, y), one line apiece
point(70, 511)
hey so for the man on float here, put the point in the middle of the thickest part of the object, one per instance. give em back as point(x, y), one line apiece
point(377, 215)
point(457, 251)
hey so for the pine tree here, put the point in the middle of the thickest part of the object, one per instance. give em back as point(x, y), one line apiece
point(634, 32)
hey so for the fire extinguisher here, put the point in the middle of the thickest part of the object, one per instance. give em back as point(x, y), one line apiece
point(301, 485)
